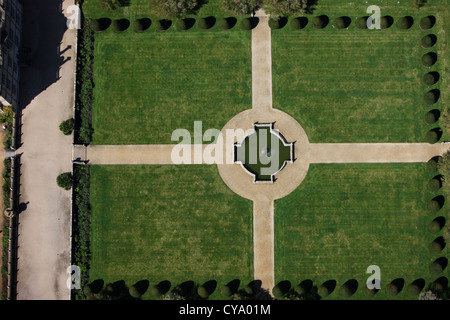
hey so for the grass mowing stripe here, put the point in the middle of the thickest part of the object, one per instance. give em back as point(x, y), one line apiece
point(173, 223)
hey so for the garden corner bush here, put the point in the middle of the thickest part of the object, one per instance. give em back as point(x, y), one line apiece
point(66, 126)
point(64, 180)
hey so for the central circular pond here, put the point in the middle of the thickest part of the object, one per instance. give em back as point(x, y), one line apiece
point(264, 152)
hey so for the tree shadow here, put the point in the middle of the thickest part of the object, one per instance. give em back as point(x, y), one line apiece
point(185, 289)
point(233, 285)
point(207, 23)
point(311, 6)
point(349, 288)
point(40, 54)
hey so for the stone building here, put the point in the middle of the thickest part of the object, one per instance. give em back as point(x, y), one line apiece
point(11, 14)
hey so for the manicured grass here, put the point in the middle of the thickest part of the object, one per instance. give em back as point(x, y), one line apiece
point(358, 85)
point(175, 223)
point(149, 84)
point(346, 217)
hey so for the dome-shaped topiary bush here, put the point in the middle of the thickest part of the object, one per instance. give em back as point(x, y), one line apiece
point(281, 289)
point(299, 23)
point(202, 292)
point(395, 287)
point(348, 288)
point(431, 97)
point(437, 245)
point(436, 225)
point(249, 23)
point(435, 184)
point(436, 204)
point(405, 23)
point(156, 292)
point(432, 116)
point(227, 23)
point(416, 287)
point(163, 24)
point(279, 23)
point(120, 25)
point(64, 180)
point(369, 292)
point(432, 165)
point(185, 24)
point(361, 23)
point(342, 22)
point(320, 22)
point(427, 22)
point(429, 59)
point(326, 288)
point(430, 78)
point(99, 25)
point(140, 25)
point(428, 41)
point(134, 292)
point(226, 291)
point(386, 22)
point(434, 135)
point(438, 265)
point(206, 23)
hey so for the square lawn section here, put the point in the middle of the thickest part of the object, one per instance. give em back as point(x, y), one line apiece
point(149, 84)
point(345, 217)
point(352, 85)
point(176, 223)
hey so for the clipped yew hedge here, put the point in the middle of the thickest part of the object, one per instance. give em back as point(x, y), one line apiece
point(299, 23)
point(427, 22)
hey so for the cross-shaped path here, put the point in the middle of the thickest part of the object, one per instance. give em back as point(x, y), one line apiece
point(263, 195)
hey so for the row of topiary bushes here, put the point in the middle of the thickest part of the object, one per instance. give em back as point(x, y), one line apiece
point(429, 79)
point(307, 290)
point(437, 224)
point(141, 25)
point(343, 22)
point(298, 23)
point(165, 291)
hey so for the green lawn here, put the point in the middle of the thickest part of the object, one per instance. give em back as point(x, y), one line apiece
point(344, 218)
point(176, 223)
point(358, 85)
point(147, 85)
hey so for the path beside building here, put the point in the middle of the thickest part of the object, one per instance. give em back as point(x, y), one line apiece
point(44, 225)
